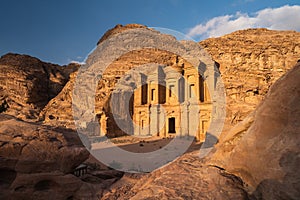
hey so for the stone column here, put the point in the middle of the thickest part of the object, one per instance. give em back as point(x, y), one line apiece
point(103, 124)
point(154, 126)
point(185, 119)
point(194, 123)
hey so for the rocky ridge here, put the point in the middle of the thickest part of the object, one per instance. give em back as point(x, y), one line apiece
point(250, 62)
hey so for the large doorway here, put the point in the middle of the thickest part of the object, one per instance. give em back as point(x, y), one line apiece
point(172, 125)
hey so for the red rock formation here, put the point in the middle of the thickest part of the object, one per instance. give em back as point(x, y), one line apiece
point(35, 159)
point(250, 62)
point(27, 84)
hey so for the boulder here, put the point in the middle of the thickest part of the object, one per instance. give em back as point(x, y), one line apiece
point(38, 160)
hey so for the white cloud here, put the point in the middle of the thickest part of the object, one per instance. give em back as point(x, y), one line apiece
point(282, 18)
point(77, 62)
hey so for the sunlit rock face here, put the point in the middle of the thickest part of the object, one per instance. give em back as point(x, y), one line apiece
point(27, 84)
point(58, 111)
point(250, 62)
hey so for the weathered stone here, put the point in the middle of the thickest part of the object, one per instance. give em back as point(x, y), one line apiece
point(250, 62)
point(265, 154)
point(27, 84)
point(31, 148)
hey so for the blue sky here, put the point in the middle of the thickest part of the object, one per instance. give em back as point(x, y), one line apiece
point(61, 31)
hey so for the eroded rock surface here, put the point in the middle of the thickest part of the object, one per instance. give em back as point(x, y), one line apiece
point(250, 62)
point(266, 155)
point(35, 159)
point(27, 84)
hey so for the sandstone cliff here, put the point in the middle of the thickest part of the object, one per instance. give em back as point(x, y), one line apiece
point(27, 84)
point(250, 62)
point(264, 150)
point(58, 111)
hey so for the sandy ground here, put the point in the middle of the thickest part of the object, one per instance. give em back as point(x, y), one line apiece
point(160, 152)
point(138, 144)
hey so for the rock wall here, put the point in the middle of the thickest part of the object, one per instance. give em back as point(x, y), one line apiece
point(250, 62)
point(27, 84)
point(264, 149)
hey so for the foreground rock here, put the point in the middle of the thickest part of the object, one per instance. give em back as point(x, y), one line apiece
point(186, 178)
point(266, 155)
point(37, 160)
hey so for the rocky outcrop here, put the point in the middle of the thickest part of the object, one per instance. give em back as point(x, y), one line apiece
point(118, 29)
point(36, 158)
point(186, 178)
point(58, 111)
point(250, 62)
point(27, 84)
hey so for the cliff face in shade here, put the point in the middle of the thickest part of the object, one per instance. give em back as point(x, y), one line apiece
point(58, 111)
point(35, 160)
point(27, 84)
point(250, 62)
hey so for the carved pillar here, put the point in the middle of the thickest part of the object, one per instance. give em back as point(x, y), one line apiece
point(103, 123)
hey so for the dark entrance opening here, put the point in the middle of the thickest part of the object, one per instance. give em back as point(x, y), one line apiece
point(172, 125)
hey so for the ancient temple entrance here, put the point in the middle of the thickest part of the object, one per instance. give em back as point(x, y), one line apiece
point(172, 125)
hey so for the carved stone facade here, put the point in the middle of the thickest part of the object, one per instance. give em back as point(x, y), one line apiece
point(167, 101)
point(172, 101)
